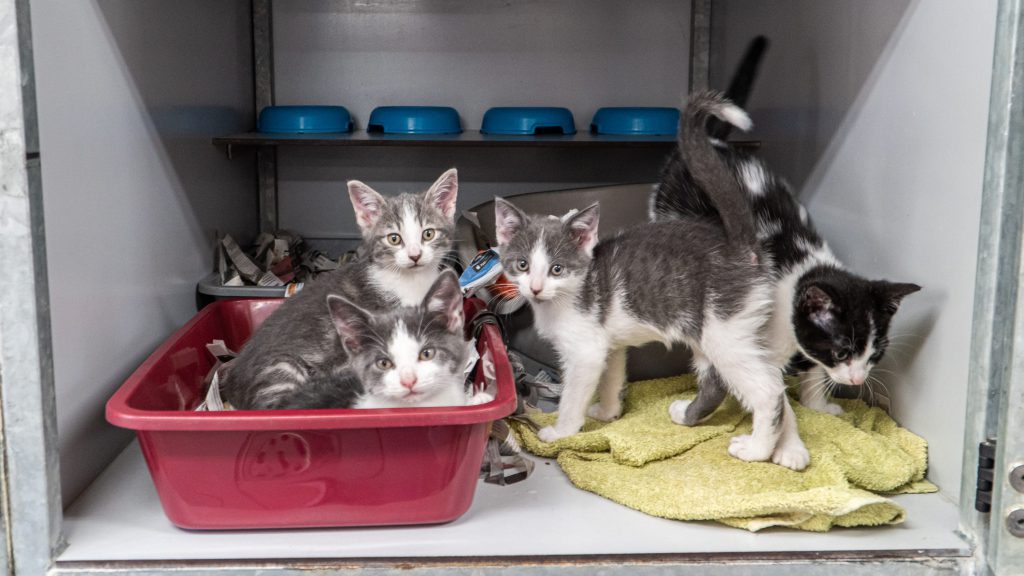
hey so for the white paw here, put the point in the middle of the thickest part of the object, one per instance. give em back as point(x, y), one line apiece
point(480, 398)
point(550, 434)
point(833, 409)
point(793, 456)
point(677, 411)
point(748, 449)
point(598, 412)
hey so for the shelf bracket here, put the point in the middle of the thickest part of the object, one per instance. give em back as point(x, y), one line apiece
point(700, 45)
point(263, 89)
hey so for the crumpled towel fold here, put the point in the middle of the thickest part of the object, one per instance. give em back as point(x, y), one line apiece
point(645, 461)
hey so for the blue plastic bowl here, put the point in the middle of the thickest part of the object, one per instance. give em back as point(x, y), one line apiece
point(414, 120)
point(528, 120)
point(636, 121)
point(304, 119)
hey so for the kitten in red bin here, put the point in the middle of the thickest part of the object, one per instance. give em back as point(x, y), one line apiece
point(382, 331)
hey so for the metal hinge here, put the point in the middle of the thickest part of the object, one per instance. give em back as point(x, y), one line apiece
point(986, 468)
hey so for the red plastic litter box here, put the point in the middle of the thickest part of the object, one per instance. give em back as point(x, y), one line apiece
point(299, 468)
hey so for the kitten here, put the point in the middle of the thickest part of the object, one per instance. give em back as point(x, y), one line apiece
point(668, 282)
point(404, 240)
point(829, 323)
point(411, 356)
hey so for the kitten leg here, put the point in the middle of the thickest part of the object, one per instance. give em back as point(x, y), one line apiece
point(710, 394)
point(733, 348)
point(609, 405)
point(812, 391)
point(582, 371)
point(790, 451)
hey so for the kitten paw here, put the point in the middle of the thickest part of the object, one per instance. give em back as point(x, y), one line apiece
point(480, 398)
point(792, 455)
point(677, 411)
point(749, 449)
point(833, 409)
point(550, 434)
point(598, 412)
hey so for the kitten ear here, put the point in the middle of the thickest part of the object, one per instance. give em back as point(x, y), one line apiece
point(892, 293)
point(367, 203)
point(445, 297)
point(583, 227)
point(444, 192)
point(508, 220)
point(817, 304)
point(351, 322)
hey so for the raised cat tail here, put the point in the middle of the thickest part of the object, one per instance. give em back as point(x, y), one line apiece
point(710, 171)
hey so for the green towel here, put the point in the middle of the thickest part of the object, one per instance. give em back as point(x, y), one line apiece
point(645, 461)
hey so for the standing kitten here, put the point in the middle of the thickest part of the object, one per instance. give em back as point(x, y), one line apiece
point(830, 323)
point(404, 240)
point(666, 282)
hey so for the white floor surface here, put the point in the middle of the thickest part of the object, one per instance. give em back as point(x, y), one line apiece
point(119, 518)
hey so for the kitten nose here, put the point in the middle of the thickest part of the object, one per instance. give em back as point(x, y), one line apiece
point(408, 379)
point(858, 379)
point(535, 290)
point(536, 287)
point(414, 258)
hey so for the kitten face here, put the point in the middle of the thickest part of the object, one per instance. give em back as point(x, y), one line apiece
point(546, 257)
point(412, 355)
point(409, 230)
point(842, 322)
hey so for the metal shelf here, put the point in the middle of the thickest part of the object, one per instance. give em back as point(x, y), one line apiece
point(467, 139)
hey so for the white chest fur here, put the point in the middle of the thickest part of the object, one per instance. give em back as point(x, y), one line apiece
point(781, 332)
point(409, 285)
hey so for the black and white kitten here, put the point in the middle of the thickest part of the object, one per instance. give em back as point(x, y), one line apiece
point(404, 240)
point(671, 282)
point(829, 323)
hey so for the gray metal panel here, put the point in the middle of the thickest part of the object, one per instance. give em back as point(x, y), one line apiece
point(472, 55)
point(32, 490)
point(997, 375)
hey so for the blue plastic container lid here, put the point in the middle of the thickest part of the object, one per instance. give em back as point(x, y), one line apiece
point(414, 120)
point(528, 120)
point(304, 119)
point(636, 121)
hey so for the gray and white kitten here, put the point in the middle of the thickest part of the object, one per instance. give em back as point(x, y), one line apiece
point(672, 282)
point(410, 356)
point(292, 360)
point(829, 323)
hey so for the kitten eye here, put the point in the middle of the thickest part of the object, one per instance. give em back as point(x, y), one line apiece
point(522, 265)
point(840, 355)
point(428, 234)
point(394, 239)
point(427, 354)
point(384, 364)
point(557, 270)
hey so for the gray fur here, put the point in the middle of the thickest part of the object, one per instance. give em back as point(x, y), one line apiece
point(295, 359)
point(710, 394)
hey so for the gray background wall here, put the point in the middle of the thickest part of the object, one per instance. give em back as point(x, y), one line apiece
point(580, 54)
point(130, 93)
point(876, 111)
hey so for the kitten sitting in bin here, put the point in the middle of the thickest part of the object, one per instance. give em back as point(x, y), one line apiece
point(302, 356)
